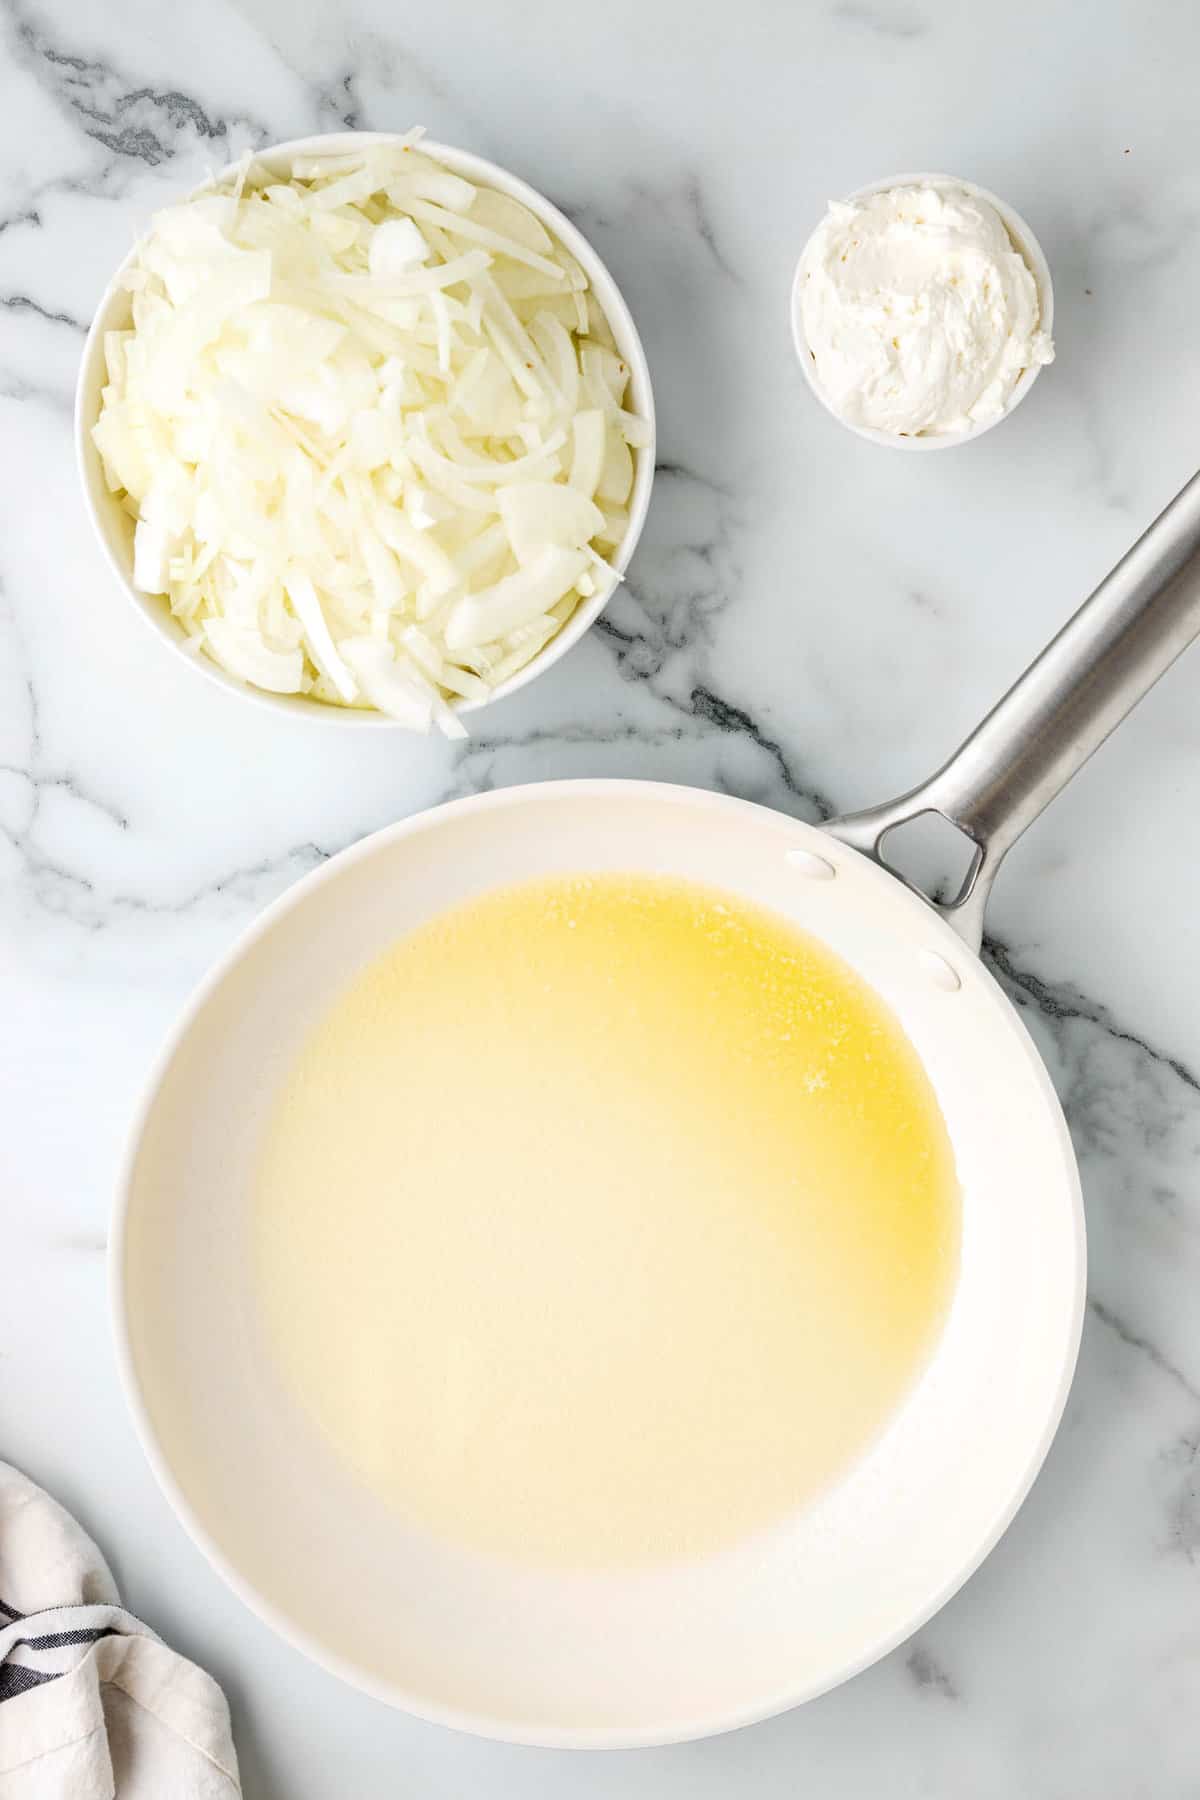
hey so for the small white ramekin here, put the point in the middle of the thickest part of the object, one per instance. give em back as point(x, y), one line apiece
point(1023, 240)
point(114, 528)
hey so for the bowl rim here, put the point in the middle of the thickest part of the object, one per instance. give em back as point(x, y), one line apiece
point(1024, 240)
point(151, 607)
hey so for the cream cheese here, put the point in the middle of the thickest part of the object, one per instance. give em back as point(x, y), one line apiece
point(919, 311)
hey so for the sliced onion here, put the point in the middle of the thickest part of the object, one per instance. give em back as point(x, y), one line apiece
point(537, 513)
point(241, 651)
point(371, 427)
point(478, 618)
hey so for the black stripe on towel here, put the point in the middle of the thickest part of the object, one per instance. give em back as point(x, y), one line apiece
point(58, 1640)
point(16, 1679)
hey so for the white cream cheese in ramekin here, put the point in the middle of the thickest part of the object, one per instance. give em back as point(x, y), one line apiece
point(920, 312)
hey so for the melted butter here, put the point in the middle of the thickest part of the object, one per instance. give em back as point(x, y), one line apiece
point(603, 1220)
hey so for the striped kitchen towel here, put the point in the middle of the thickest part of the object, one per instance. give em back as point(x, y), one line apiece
point(93, 1706)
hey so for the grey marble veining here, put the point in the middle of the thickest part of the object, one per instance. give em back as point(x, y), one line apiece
point(810, 622)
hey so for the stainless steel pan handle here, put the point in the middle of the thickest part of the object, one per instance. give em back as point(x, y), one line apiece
point(1061, 709)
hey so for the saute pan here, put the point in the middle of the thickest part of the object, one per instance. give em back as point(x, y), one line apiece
point(595, 1658)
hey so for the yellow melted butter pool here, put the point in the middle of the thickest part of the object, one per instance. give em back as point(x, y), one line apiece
point(604, 1219)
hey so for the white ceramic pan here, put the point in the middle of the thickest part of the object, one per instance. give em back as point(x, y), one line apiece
point(596, 1658)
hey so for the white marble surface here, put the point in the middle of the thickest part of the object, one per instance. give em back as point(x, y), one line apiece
point(811, 621)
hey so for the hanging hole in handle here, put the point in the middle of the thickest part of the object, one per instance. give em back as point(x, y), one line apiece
point(933, 856)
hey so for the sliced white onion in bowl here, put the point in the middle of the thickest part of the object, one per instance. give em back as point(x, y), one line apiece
point(348, 397)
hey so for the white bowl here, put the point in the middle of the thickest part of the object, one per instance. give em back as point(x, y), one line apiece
point(114, 528)
point(1023, 240)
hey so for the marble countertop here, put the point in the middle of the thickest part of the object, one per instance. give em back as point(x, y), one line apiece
point(810, 621)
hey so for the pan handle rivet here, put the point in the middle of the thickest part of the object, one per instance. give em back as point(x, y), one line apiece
point(940, 971)
point(807, 862)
